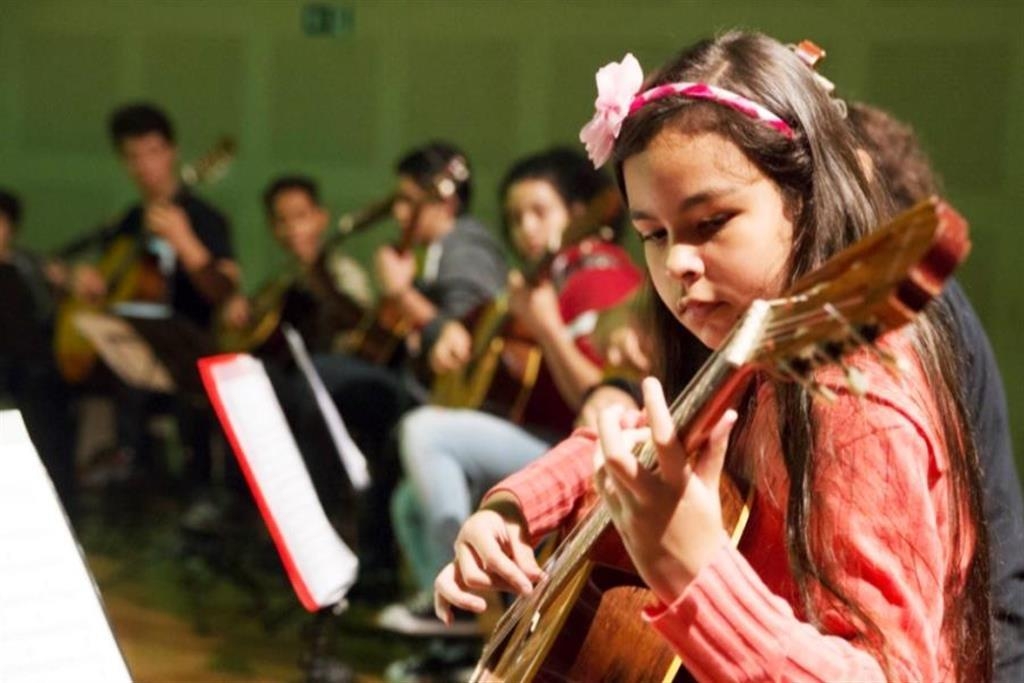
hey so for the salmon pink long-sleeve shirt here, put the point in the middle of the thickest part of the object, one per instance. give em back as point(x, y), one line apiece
point(880, 508)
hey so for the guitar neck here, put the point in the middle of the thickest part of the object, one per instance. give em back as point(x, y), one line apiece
point(716, 387)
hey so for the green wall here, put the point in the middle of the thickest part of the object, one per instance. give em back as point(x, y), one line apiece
point(501, 79)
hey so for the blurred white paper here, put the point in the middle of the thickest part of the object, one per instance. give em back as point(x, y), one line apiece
point(52, 624)
point(319, 564)
point(124, 351)
point(352, 459)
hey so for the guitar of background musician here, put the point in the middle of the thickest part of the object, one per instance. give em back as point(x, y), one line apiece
point(504, 365)
point(321, 291)
point(383, 331)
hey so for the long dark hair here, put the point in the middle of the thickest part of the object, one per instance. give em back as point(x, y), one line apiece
point(832, 204)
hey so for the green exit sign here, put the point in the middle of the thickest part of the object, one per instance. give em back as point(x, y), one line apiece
point(325, 19)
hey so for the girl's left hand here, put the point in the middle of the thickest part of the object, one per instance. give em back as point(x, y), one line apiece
point(670, 520)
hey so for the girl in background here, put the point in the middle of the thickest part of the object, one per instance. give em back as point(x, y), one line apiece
point(451, 457)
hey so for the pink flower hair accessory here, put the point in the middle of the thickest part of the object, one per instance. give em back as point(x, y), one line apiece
point(617, 85)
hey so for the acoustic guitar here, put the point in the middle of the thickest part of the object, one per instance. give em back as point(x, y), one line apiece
point(506, 366)
point(582, 623)
point(382, 331)
point(131, 273)
point(267, 304)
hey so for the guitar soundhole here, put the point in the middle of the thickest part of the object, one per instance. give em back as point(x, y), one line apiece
point(604, 637)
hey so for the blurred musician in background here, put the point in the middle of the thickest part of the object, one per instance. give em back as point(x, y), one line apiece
point(462, 266)
point(190, 243)
point(320, 293)
point(28, 286)
point(190, 238)
point(451, 456)
point(894, 156)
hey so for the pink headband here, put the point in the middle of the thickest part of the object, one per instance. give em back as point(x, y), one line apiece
point(617, 98)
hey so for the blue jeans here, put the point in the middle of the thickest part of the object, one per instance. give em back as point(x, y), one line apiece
point(450, 459)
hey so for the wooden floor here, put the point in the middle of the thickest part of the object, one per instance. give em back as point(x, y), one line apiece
point(161, 647)
point(178, 615)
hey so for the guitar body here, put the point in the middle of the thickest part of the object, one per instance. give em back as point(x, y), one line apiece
point(379, 336)
point(579, 636)
point(507, 376)
point(503, 372)
point(129, 277)
point(266, 309)
point(583, 622)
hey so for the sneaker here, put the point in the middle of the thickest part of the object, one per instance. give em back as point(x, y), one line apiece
point(442, 663)
point(416, 618)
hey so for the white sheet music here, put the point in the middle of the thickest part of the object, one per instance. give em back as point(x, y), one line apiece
point(125, 351)
point(52, 625)
point(326, 566)
point(352, 459)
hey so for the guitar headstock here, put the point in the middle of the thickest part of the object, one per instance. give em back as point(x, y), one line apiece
point(873, 287)
point(212, 166)
point(446, 183)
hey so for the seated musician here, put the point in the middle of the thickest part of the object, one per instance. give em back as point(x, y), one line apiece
point(452, 456)
point(191, 243)
point(28, 286)
point(894, 155)
point(463, 266)
point(321, 294)
point(864, 557)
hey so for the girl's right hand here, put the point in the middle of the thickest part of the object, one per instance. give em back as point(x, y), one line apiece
point(492, 552)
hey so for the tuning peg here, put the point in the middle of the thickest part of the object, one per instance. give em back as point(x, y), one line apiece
point(865, 335)
point(895, 365)
point(822, 391)
point(856, 380)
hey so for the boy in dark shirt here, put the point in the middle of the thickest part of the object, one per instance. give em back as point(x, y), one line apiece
point(190, 243)
point(321, 293)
